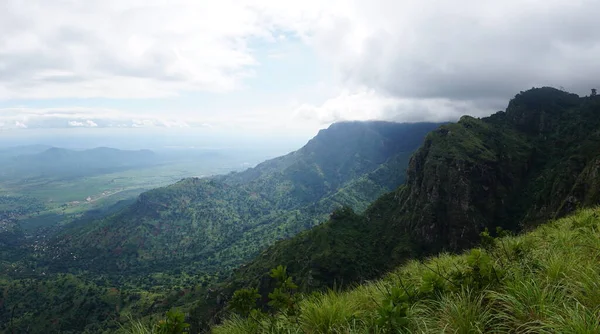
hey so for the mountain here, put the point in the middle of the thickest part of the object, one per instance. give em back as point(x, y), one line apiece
point(212, 225)
point(535, 161)
point(15, 151)
point(516, 169)
point(64, 163)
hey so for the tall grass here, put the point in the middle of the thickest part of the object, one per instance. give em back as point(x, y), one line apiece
point(545, 281)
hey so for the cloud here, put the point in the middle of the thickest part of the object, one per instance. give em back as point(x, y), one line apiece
point(464, 50)
point(75, 123)
point(33, 118)
point(125, 48)
point(402, 60)
point(367, 104)
point(88, 123)
point(435, 61)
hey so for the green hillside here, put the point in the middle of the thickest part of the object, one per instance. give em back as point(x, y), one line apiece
point(545, 281)
point(171, 245)
point(213, 225)
point(176, 246)
point(514, 169)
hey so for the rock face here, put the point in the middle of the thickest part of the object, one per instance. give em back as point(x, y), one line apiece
point(537, 160)
point(513, 168)
point(458, 182)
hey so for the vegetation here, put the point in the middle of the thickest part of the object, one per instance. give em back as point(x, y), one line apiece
point(212, 225)
point(169, 247)
point(47, 186)
point(511, 170)
point(471, 183)
point(545, 281)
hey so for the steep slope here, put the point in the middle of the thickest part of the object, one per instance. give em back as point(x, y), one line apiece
point(544, 281)
point(209, 225)
point(514, 169)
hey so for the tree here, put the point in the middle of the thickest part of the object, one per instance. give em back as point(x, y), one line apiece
point(173, 324)
point(244, 301)
point(282, 298)
point(594, 93)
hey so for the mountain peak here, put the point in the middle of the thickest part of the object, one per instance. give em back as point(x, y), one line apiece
point(537, 110)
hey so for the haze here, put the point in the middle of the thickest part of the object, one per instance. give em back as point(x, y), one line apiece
point(240, 69)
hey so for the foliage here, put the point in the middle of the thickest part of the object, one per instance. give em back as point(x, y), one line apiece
point(282, 298)
point(174, 323)
point(513, 170)
point(215, 224)
point(243, 301)
point(507, 172)
point(171, 245)
point(393, 312)
point(523, 300)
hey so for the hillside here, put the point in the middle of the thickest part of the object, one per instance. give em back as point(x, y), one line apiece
point(545, 281)
point(212, 225)
point(172, 244)
point(514, 169)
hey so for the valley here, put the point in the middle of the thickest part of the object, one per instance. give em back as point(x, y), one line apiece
point(358, 201)
point(172, 244)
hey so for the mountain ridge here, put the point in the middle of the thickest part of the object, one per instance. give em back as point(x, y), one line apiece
point(199, 224)
point(514, 169)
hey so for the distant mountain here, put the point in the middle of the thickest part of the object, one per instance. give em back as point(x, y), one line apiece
point(538, 160)
point(8, 152)
point(61, 163)
point(213, 225)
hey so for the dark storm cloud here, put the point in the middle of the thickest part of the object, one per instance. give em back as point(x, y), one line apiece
point(461, 51)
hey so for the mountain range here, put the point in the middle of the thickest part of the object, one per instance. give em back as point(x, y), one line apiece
point(38, 161)
point(215, 224)
point(358, 200)
point(535, 161)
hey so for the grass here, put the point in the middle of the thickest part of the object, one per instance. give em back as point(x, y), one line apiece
point(544, 281)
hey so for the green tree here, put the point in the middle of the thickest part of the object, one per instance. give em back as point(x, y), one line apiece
point(173, 324)
point(244, 301)
point(282, 298)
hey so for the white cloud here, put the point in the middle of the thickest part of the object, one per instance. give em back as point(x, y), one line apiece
point(91, 124)
point(174, 123)
point(125, 48)
point(75, 123)
point(87, 123)
point(367, 104)
point(361, 105)
point(393, 59)
point(85, 117)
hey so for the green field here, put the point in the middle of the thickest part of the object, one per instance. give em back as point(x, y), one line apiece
point(65, 199)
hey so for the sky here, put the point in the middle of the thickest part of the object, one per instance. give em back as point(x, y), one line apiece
point(279, 70)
